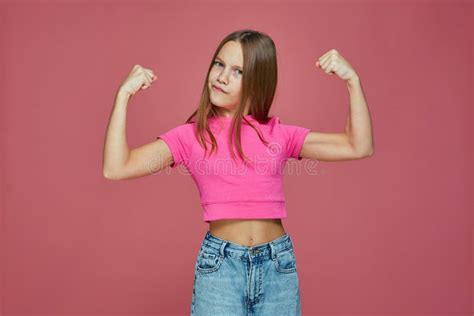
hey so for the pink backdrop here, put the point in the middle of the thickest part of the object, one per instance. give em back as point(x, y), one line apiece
point(388, 234)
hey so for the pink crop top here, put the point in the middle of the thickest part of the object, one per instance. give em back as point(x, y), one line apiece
point(231, 189)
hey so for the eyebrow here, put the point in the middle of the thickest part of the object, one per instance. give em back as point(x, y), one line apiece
point(234, 65)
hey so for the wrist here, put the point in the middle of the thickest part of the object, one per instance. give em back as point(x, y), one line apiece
point(123, 94)
point(122, 99)
point(353, 81)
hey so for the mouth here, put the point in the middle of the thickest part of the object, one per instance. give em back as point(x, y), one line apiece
point(217, 89)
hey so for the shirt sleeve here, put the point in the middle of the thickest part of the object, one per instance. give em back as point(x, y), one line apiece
point(178, 140)
point(294, 137)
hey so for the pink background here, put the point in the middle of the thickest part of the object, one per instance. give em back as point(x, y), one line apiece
point(388, 234)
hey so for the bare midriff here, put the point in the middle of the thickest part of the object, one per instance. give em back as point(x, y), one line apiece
point(247, 232)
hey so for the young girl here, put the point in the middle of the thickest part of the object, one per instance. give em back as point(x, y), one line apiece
point(235, 153)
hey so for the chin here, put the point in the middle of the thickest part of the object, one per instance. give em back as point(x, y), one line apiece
point(220, 106)
point(217, 101)
point(217, 105)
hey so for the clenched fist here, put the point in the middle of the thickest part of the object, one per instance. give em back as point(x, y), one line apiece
point(333, 62)
point(138, 78)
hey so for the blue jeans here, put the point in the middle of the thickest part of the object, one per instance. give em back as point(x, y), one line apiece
point(233, 279)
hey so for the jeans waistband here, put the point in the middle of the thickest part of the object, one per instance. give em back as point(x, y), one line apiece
point(269, 249)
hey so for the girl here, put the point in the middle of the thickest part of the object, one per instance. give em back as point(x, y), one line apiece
point(246, 264)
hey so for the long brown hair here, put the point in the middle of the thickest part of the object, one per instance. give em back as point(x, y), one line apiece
point(259, 81)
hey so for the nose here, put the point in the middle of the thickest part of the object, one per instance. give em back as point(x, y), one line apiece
point(222, 78)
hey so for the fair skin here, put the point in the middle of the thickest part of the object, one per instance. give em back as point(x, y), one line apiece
point(226, 73)
point(355, 142)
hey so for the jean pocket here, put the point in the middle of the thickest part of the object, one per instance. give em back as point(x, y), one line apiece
point(285, 261)
point(208, 260)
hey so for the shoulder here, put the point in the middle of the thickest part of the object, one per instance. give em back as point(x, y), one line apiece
point(292, 135)
point(276, 123)
point(272, 122)
point(183, 128)
point(183, 133)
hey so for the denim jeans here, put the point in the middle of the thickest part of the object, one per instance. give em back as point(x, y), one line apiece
point(233, 279)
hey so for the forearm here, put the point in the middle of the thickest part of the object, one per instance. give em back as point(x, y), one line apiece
point(116, 151)
point(358, 125)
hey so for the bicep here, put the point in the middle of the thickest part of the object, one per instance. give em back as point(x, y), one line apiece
point(328, 147)
point(147, 159)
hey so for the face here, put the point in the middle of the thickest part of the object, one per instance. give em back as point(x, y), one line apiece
point(226, 73)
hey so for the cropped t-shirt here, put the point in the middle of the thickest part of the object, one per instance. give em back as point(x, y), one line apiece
point(230, 188)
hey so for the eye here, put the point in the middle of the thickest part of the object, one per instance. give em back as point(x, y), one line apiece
point(218, 63)
point(240, 71)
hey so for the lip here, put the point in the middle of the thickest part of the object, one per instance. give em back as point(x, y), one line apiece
point(218, 89)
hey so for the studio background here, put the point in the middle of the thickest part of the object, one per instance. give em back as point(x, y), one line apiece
point(391, 234)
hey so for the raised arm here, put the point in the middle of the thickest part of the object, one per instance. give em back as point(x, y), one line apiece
point(356, 141)
point(119, 162)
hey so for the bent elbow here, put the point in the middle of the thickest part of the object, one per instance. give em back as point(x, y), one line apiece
point(110, 175)
point(361, 154)
point(368, 153)
point(371, 151)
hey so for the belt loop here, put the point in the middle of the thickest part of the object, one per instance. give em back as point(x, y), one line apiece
point(272, 251)
point(221, 251)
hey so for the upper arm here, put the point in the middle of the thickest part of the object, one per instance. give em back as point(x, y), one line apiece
point(328, 147)
point(145, 160)
point(171, 148)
